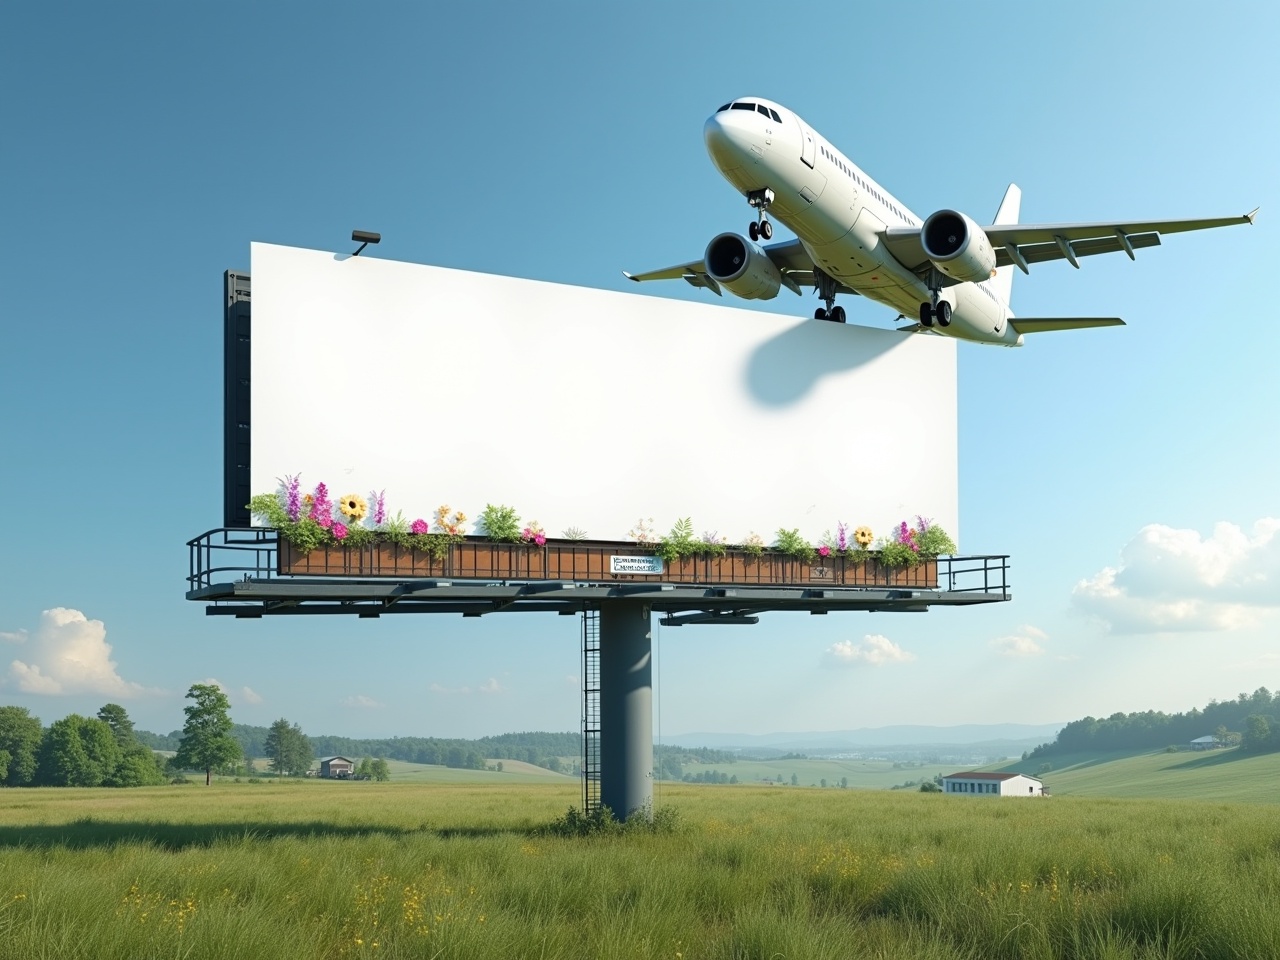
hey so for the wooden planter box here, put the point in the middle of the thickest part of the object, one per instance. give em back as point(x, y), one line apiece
point(478, 559)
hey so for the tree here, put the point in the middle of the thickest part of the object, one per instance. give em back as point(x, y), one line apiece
point(823, 781)
point(1257, 734)
point(795, 781)
point(288, 747)
point(380, 769)
point(206, 739)
point(844, 783)
point(139, 766)
point(930, 787)
point(115, 717)
point(20, 736)
point(78, 752)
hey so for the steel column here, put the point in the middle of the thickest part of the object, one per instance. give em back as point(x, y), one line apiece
point(626, 707)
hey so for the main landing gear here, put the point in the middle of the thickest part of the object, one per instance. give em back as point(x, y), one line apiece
point(826, 288)
point(935, 308)
point(761, 228)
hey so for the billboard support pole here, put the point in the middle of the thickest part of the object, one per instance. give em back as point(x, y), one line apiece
point(626, 707)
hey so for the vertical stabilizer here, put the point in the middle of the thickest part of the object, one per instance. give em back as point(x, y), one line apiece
point(1002, 283)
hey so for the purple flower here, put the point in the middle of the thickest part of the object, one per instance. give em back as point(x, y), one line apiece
point(824, 551)
point(379, 507)
point(325, 522)
point(842, 536)
point(292, 501)
point(922, 525)
point(322, 506)
point(419, 526)
point(339, 531)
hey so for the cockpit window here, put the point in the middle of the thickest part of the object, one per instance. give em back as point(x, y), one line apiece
point(761, 108)
point(774, 113)
point(742, 105)
point(724, 108)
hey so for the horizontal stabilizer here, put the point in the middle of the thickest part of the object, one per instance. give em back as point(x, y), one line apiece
point(1046, 324)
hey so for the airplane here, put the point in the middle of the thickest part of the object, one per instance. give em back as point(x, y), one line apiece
point(854, 237)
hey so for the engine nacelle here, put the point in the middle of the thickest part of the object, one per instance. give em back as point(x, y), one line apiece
point(743, 268)
point(958, 247)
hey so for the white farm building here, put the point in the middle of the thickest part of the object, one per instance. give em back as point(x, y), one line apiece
point(993, 784)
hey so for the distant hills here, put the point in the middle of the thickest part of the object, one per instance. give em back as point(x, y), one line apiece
point(903, 735)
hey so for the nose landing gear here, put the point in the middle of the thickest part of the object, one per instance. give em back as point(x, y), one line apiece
point(761, 228)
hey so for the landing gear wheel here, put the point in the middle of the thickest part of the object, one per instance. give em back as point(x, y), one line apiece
point(836, 315)
point(820, 314)
point(753, 231)
point(766, 230)
point(926, 315)
point(943, 312)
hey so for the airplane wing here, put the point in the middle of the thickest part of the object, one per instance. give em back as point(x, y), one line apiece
point(1027, 243)
point(788, 256)
point(1046, 324)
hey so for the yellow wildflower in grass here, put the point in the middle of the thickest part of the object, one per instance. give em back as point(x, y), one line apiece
point(354, 507)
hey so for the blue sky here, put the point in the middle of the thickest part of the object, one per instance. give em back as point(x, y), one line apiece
point(1130, 473)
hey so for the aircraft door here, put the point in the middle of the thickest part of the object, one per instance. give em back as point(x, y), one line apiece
point(808, 147)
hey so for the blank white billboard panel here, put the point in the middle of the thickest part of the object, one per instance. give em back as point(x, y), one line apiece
point(588, 408)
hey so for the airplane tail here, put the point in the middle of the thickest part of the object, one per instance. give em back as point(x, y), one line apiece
point(1002, 283)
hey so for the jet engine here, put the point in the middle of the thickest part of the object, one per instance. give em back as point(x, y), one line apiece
point(958, 247)
point(743, 268)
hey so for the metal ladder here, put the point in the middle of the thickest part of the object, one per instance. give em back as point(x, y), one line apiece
point(590, 711)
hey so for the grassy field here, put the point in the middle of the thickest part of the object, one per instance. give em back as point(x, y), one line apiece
point(862, 774)
point(328, 870)
point(1211, 775)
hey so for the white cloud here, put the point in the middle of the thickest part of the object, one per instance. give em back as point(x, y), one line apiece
point(875, 650)
point(249, 695)
point(491, 686)
point(69, 653)
point(13, 636)
point(361, 701)
point(1172, 580)
point(1026, 641)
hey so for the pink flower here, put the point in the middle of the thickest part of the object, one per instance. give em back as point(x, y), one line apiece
point(325, 522)
point(339, 531)
point(540, 540)
point(419, 526)
point(824, 551)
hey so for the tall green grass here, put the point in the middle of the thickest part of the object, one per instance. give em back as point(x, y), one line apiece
point(298, 870)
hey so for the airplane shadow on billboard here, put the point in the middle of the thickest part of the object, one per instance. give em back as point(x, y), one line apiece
point(786, 367)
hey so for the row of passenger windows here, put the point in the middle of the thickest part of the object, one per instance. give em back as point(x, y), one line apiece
point(834, 158)
point(757, 107)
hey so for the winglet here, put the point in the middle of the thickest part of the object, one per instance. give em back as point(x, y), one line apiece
point(1252, 214)
point(630, 277)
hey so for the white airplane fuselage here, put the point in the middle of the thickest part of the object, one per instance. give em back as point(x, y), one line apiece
point(838, 213)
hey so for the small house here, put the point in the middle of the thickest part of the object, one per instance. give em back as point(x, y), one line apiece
point(993, 784)
point(336, 768)
point(1205, 743)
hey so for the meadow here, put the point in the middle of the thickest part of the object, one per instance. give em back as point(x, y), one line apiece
point(328, 870)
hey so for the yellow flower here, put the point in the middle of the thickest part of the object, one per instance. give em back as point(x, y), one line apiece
point(863, 536)
point(353, 506)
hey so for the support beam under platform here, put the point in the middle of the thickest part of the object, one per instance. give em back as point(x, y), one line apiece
point(626, 707)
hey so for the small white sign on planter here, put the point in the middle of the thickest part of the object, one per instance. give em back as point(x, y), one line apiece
point(644, 565)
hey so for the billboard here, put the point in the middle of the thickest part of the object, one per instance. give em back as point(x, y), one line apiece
point(590, 409)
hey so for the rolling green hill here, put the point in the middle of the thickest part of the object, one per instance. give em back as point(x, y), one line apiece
point(1213, 775)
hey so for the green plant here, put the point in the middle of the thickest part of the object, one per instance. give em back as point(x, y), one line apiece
point(573, 533)
point(934, 542)
point(434, 545)
point(680, 542)
point(753, 545)
point(894, 554)
point(396, 530)
point(501, 523)
point(793, 544)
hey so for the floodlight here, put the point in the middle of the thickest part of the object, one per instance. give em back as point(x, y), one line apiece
point(364, 238)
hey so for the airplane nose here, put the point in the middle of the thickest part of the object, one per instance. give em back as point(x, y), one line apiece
point(724, 140)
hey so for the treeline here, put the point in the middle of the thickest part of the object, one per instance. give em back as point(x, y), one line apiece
point(669, 761)
point(1153, 729)
point(76, 751)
